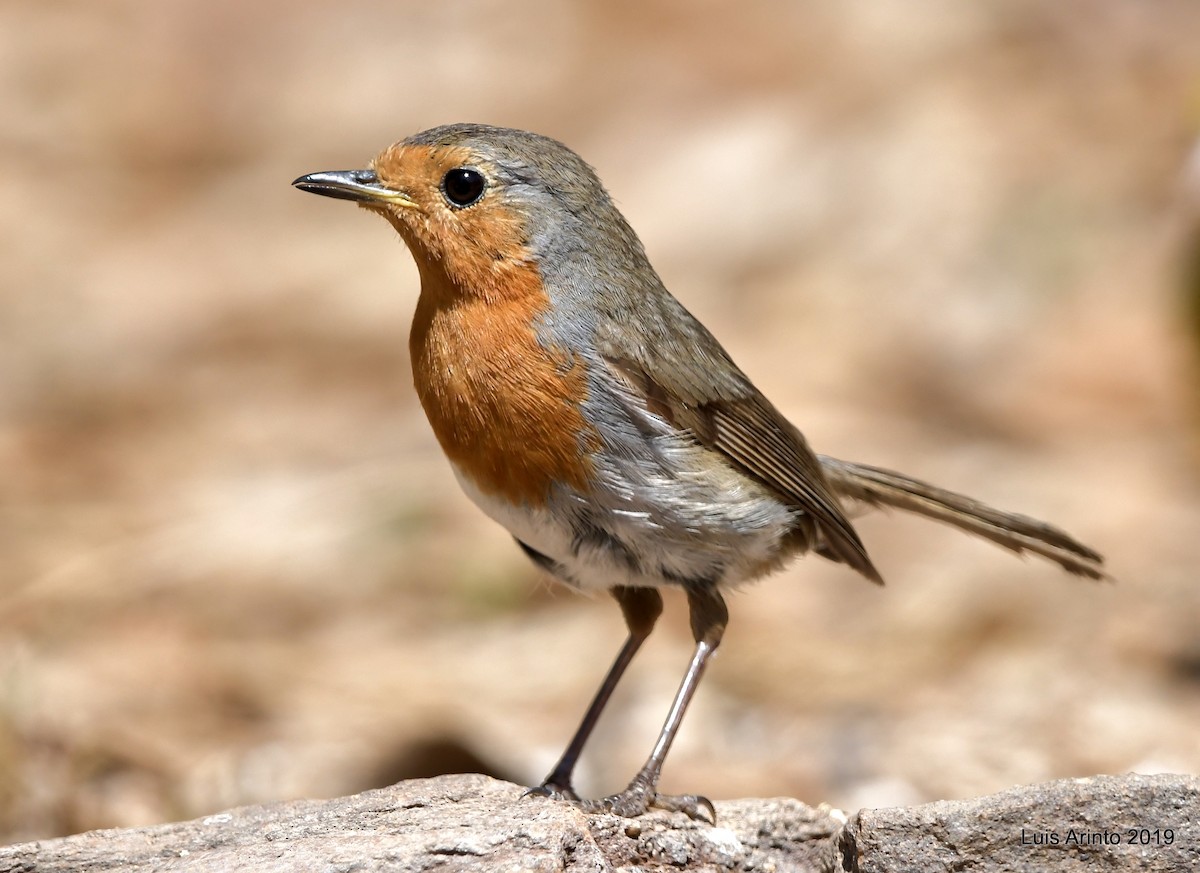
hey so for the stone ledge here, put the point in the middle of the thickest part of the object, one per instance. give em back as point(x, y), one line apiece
point(473, 823)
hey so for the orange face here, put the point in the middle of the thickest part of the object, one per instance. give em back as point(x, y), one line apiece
point(477, 244)
point(505, 408)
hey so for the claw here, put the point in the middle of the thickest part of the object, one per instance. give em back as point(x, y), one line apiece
point(695, 806)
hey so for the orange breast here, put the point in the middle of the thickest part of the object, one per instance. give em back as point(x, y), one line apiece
point(505, 410)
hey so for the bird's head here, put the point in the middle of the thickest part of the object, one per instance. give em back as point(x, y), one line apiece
point(474, 202)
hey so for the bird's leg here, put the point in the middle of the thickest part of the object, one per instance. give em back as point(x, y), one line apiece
point(709, 616)
point(641, 608)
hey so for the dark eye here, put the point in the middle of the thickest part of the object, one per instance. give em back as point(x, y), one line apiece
point(463, 186)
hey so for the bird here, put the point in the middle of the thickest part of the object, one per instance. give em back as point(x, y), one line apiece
point(582, 407)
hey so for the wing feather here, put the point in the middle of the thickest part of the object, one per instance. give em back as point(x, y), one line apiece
point(740, 424)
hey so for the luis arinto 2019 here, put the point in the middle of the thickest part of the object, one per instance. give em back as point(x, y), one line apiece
point(1079, 837)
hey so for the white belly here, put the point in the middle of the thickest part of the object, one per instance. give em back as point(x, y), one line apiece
point(646, 537)
point(540, 529)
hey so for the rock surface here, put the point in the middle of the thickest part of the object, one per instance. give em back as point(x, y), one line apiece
point(1145, 823)
point(461, 823)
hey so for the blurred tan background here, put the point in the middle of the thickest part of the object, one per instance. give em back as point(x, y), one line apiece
point(952, 238)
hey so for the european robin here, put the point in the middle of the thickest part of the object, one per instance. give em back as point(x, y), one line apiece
point(586, 410)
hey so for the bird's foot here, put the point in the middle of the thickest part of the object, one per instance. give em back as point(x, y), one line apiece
point(555, 791)
point(638, 799)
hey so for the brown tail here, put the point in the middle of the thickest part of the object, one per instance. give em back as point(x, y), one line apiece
point(877, 487)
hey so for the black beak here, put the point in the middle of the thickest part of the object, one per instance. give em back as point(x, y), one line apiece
point(361, 186)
